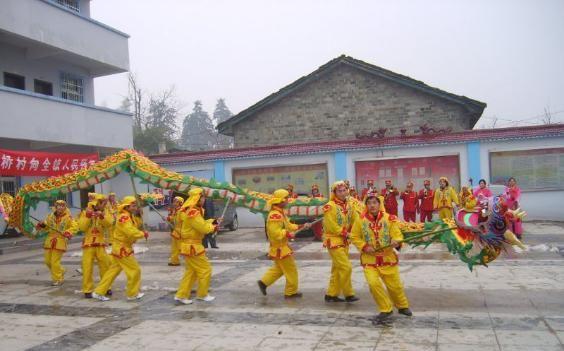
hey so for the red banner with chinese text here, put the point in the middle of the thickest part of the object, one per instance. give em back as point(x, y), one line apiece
point(36, 163)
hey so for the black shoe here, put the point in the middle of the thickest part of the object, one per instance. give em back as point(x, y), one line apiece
point(329, 298)
point(174, 264)
point(215, 247)
point(262, 287)
point(87, 295)
point(382, 318)
point(405, 312)
point(351, 298)
point(109, 292)
point(293, 296)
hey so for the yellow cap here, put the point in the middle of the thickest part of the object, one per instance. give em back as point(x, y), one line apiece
point(126, 201)
point(278, 196)
point(194, 195)
point(335, 186)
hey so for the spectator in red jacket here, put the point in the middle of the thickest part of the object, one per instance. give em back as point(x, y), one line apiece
point(369, 189)
point(390, 201)
point(410, 203)
point(426, 196)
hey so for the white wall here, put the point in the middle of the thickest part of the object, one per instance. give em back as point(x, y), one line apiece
point(14, 60)
point(32, 117)
point(541, 205)
point(56, 29)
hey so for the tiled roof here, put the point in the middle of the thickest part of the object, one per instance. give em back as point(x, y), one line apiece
point(474, 106)
point(542, 131)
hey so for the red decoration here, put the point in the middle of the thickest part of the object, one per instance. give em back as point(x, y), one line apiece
point(36, 163)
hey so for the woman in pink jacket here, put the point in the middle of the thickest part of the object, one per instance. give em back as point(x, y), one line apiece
point(512, 197)
point(482, 190)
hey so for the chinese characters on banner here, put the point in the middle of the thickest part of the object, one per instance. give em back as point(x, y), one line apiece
point(35, 163)
point(402, 170)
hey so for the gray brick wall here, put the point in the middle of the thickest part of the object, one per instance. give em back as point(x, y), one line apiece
point(342, 103)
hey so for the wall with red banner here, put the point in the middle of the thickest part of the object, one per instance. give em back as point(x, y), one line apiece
point(402, 170)
point(37, 163)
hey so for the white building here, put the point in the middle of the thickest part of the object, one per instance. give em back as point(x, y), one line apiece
point(50, 53)
point(533, 155)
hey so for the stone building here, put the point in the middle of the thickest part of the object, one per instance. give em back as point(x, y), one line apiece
point(350, 99)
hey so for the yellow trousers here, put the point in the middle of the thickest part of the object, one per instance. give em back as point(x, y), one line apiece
point(174, 251)
point(197, 268)
point(132, 271)
point(391, 278)
point(89, 255)
point(341, 273)
point(53, 262)
point(285, 267)
point(445, 213)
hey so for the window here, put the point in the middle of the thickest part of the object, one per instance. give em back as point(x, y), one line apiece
point(72, 87)
point(14, 81)
point(534, 170)
point(70, 4)
point(8, 185)
point(42, 87)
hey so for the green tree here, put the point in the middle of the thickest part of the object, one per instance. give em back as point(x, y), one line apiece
point(221, 114)
point(197, 130)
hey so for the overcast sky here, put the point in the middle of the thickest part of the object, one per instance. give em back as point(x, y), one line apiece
point(508, 54)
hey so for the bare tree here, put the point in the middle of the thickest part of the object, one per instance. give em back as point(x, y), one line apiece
point(547, 119)
point(154, 117)
point(494, 122)
point(136, 100)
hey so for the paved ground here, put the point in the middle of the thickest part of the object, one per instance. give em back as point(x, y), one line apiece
point(515, 304)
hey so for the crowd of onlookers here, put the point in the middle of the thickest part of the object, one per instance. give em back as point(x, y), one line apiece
point(425, 202)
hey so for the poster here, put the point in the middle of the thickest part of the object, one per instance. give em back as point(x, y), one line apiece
point(541, 169)
point(37, 163)
point(268, 179)
point(402, 170)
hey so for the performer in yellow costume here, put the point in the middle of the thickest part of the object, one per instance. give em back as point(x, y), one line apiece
point(445, 196)
point(60, 226)
point(126, 233)
point(338, 217)
point(279, 229)
point(193, 229)
point(94, 222)
point(174, 220)
point(112, 207)
point(377, 229)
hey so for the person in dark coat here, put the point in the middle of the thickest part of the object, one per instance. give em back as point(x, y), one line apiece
point(209, 213)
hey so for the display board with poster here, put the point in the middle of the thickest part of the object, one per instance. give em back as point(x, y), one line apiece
point(268, 179)
point(402, 170)
point(540, 169)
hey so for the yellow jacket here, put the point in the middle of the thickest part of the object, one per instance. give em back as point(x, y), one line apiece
point(94, 228)
point(55, 239)
point(358, 207)
point(278, 228)
point(376, 232)
point(444, 198)
point(126, 233)
point(113, 210)
point(175, 221)
point(193, 229)
point(338, 218)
